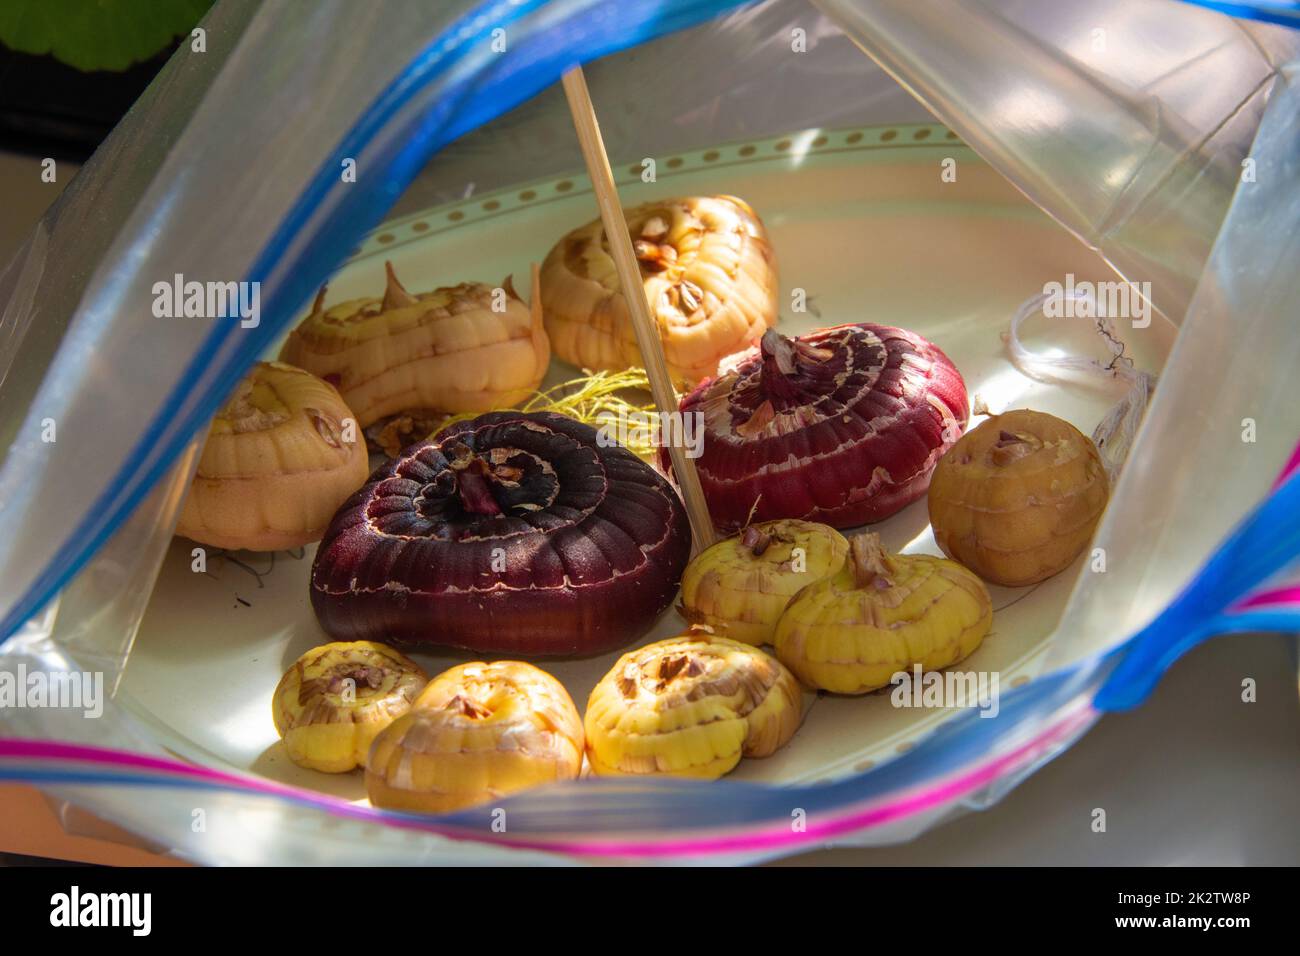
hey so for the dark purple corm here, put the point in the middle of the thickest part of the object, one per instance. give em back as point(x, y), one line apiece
point(514, 533)
point(842, 426)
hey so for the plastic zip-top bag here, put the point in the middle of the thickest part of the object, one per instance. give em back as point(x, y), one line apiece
point(928, 166)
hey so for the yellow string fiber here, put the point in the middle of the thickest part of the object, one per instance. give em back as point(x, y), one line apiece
point(596, 398)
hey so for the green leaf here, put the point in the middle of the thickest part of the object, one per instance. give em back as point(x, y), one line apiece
point(97, 34)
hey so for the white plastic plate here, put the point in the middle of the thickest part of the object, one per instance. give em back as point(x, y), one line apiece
point(865, 223)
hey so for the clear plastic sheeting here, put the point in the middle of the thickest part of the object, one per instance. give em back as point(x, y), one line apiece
point(229, 168)
point(1132, 124)
point(174, 190)
point(1126, 120)
point(220, 174)
point(743, 82)
point(1225, 418)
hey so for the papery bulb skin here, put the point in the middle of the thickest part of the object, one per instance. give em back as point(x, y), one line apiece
point(465, 348)
point(479, 731)
point(842, 426)
point(282, 454)
point(334, 700)
point(690, 706)
point(740, 586)
point(882, 614)
point(1019, 497)
point(708, 273)
point(511, 533)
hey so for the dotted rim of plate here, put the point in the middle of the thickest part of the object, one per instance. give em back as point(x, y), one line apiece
point(414, 226)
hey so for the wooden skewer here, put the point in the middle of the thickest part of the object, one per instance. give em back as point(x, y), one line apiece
point(629, 277)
